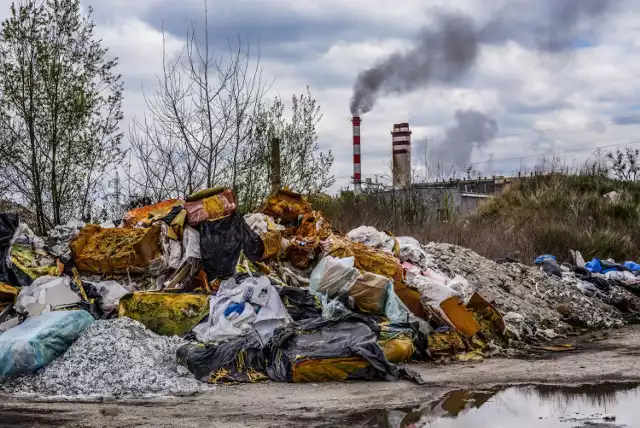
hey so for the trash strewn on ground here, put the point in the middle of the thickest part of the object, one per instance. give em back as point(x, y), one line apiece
point(190, 293)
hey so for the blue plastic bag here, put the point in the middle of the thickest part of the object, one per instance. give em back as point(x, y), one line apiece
point(543, 258)
point(594, 266)
point(38, 341)
point(632, 266)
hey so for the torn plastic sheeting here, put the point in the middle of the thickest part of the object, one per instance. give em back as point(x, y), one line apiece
point(319, 350)
point(210, 208)
point(262, 310)
point(46, 294)
point(38, 341)
point(99, 251)
point(135, 216)
point(171, 249)
point(165, 313)
point(221, 243)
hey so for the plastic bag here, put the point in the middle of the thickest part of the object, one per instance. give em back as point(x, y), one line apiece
point(221, 243)
point(333, 276)
point(371, 237)
point(38, 341)
point(46, 294)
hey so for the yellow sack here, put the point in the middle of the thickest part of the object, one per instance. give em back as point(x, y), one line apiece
point(272, 244)
point(398, 350)
point(100, 251)
point(327, 369)
point(158, 210)
point(165, 313)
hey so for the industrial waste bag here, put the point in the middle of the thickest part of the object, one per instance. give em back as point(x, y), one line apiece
point(239, 359)
point(319, 350)
point(38, 341)
point(165, 313)
point(99, 251)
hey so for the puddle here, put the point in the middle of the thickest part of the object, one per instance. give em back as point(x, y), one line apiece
point(588, 406)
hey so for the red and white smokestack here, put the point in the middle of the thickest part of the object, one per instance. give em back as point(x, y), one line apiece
point(357, 172)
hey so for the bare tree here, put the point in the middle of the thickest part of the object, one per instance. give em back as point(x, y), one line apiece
point(625, 164)
point(60, 106)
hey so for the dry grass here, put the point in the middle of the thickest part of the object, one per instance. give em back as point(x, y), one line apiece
point(544, 214)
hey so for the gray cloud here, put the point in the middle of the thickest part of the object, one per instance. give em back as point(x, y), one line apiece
point(447, 52)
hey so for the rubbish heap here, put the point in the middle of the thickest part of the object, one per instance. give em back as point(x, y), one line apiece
point(185, 293)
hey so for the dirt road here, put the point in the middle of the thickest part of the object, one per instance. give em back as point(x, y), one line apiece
point(278, 405)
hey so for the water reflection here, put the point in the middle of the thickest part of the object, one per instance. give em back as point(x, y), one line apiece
point(588, 406)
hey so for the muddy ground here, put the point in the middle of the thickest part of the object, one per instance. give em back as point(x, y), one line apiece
point(614, 358)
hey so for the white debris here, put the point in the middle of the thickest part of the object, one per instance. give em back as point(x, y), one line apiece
point(371, 237)
point(112, 358)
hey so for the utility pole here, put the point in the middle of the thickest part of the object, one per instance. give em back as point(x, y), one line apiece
point(276, 179)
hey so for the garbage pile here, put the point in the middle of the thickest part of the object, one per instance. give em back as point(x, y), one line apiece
point(188, 293)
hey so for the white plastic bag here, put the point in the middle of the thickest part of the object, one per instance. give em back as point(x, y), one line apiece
point(410, 250)
point(333, 275)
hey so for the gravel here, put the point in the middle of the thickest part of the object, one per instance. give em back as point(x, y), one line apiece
point(544, 301)
point(113, 358)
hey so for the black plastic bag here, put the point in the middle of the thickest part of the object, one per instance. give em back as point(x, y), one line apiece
point(238, 360)
point(8, 224)
point(221, 242)
point(324, 341)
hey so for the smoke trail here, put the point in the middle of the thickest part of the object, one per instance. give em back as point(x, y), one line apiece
point(471, 129)
point(447, 52)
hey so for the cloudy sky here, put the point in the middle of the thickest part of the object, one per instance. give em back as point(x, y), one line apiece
point(518, 101)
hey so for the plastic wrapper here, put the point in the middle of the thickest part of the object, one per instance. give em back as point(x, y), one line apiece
point(150, 212)
point(206, 193)
point(38, 341)
point(210, 208)
point(221, 243)
point(99, 251)
point(411, 251)
point(369, 293)
point(165, 313)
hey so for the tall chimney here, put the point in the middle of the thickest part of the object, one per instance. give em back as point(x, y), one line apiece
point(401, 139)
point(357, 172)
